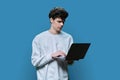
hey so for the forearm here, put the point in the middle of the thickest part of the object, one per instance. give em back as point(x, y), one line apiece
point(41, 61)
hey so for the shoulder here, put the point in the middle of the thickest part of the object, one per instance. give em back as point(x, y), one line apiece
point(65, 34)
point(67, 37)
point(40, 36)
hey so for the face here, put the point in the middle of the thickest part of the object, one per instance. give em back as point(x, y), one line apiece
point(57, 24)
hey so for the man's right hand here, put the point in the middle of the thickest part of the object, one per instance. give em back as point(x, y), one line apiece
point(58, 54)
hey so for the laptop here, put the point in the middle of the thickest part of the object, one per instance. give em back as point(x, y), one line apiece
point(77, 51)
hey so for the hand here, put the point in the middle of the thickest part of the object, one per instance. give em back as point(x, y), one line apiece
point(58, 54)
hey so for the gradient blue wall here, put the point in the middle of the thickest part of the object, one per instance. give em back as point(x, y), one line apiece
point(94, 21)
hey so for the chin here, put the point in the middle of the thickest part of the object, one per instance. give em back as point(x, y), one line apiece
point(59, 31)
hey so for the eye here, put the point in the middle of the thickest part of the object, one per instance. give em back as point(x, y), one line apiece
point(60, 22)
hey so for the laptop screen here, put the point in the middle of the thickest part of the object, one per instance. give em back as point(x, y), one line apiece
point(77, 51)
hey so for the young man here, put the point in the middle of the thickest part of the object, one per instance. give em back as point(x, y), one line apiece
point(49, 46)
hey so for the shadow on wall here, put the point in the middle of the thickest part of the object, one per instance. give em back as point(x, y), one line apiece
point(29, 73)
point(80, 70)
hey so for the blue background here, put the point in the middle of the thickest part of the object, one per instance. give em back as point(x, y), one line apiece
point(94, 21)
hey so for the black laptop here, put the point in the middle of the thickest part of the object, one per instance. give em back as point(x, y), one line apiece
point(77, 51)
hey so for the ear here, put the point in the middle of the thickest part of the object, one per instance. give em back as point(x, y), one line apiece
point(51, 20)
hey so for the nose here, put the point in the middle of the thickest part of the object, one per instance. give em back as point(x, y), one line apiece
point(62, 23)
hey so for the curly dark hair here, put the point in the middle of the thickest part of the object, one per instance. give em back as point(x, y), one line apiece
point(58, 12)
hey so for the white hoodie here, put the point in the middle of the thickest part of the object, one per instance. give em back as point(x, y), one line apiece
point(43, 45)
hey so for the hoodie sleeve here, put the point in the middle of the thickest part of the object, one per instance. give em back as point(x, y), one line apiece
point(70, 41)
point(37, 58)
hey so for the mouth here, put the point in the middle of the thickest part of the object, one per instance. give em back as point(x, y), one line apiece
point(60, 28)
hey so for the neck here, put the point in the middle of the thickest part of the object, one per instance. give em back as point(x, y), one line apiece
point(53, 31)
